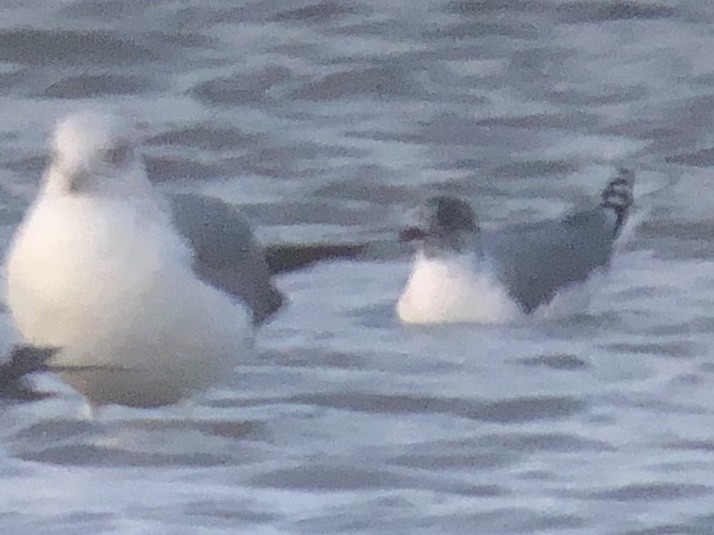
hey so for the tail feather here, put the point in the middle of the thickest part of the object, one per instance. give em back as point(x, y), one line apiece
point(617, 196)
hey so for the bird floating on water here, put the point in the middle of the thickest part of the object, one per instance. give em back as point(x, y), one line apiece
point(461, 274)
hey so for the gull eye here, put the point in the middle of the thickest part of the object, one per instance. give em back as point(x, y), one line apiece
point(119, 155)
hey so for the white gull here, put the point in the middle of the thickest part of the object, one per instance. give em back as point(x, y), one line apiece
point(98, 270)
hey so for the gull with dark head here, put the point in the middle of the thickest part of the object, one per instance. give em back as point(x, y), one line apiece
point(462, 274)
point(97, 270)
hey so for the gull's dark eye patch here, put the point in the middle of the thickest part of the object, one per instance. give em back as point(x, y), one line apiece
point(118, 155)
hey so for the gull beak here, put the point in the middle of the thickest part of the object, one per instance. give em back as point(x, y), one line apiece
point(77, 180)
point(410, 233)
point(415, 224)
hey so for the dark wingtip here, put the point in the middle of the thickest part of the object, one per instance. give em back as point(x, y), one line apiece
point(23, 360)
point(290, 257)
point(618, 196)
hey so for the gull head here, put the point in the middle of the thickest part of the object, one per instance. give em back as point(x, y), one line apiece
point(442, 224)
point(95, 154)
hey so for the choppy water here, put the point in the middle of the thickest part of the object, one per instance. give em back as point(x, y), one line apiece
point(326, 121)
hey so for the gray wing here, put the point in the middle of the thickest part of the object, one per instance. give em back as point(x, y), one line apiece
point(534, 261)
point(227, 254)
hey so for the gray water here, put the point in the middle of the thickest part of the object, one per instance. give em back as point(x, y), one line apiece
point(326, 121)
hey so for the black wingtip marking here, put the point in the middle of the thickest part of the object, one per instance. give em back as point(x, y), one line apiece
point(290, 257)
point(618, 196)
point(23, 361)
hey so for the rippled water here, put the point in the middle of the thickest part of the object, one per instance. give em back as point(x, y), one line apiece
point(327, 121)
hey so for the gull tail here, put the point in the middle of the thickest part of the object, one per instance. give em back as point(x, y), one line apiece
point(617, 196)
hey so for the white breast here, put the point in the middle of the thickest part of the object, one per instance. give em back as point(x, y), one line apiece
point(112, 285)
point(452, 289)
